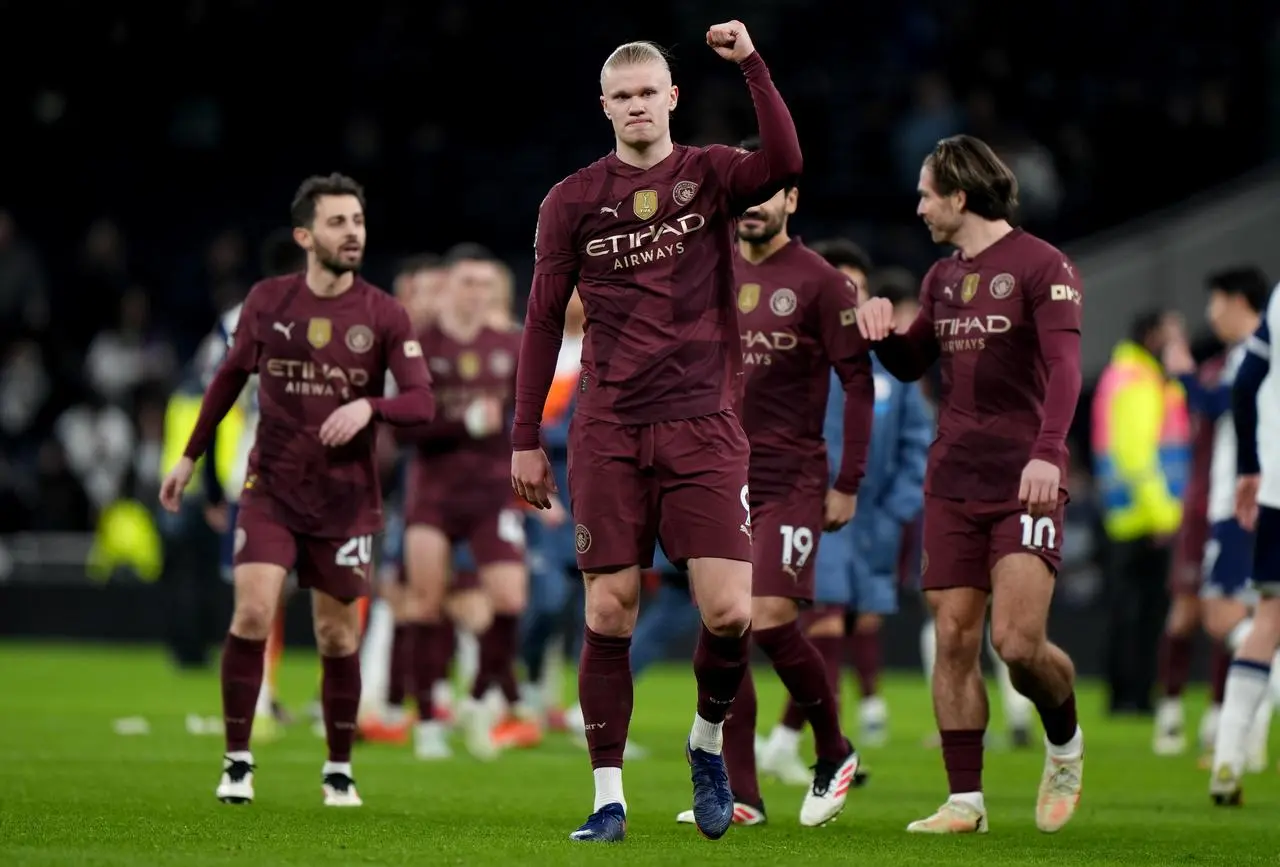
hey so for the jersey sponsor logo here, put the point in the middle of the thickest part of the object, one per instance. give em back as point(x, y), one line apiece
point(645, 203)
point(969, 287)
point(748, 297)
point(359, 338)
point(684, 192)
point(319, 332)
point(1061, 292)
point(314, 379)
point(1001, 286)
point(782, 302)
point(650, 244)
point(581, 539)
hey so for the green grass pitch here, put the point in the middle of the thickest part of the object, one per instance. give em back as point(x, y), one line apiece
point(74, 792)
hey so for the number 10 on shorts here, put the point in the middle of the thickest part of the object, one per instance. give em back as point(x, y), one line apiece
point(1039, 533)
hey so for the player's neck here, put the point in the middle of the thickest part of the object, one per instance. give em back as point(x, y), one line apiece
point(645, 158)
point(976, 235)
point(323, 282)
point(460, 328)
point(757, 253)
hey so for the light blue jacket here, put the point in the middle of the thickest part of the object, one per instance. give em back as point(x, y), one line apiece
point(892, 491)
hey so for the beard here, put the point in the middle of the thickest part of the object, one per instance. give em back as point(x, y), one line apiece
point(768, 229)
point(334, 261)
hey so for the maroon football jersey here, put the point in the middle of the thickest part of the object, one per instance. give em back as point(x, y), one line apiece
point(312, 355)
point(797, 316)
point(449, 461)
point(991, 320)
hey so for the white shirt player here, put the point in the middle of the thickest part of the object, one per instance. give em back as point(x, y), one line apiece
point(214, 350)
point(1222, 467)
point(1268, 407)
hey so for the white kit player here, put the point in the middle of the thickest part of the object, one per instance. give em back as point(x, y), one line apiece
point(1256, 413)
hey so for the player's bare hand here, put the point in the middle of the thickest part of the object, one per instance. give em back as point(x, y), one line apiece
point(1247, 501)
point(875, 319)
point(731, 41)
point(483, 417)
point(1039, 488)
point(217, 516)
point(345, 422)
point(839, 510)
point(531, 478)
point(554, 516)
point(1177, 358)
point(175, 483)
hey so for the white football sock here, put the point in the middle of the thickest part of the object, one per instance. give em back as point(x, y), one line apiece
point(1246, 688)
point(608, 788)
point(928, 649)
point(706, 736)
point(1017, 707)
point(973, 799)
point(1236, 636)
point(263, 707)
point(336, 768)
point(1072, 749)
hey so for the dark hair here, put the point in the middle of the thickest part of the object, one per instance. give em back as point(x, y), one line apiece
point(966, 164)
point(751, 144)
point(421, 262)
point(303, 210)
point(894, 284)
point(281, 254)
point(1247, 282)
point(1145, 324)
point(468, 252)
point(843, 253)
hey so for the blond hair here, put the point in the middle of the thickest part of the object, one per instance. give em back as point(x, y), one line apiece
point(635, 54)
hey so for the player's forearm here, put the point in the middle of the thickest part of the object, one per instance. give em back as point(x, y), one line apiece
point(1061, 350)
point(219, 397)
point(780, 153)
point(539, 352)
point(1244, 412)
point(414, 405)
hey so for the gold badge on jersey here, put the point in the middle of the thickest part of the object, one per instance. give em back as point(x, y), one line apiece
point(468, 365)
point(319, 332)
point(645, 203)
point(969, 287)
point(748, 297)
point(849, 316)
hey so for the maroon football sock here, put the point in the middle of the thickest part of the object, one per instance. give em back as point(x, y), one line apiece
point(606, 693)
point(1219, 665)
point(242, 664)
point(719, 663)
point(866, 652)
point(340, 698)
point(962, 755)
point(831, 648)
point(498, 658)
point(802, 671)
point(432, 645)
point(1175, 663)
point(740, 743)
point(400, 664)
point(1060, 721)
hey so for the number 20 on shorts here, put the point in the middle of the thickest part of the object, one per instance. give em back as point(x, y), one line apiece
point(1039, 533)
point(356, 551)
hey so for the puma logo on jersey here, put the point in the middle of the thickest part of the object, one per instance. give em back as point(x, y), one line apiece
point(286, 330)
point(613, 210)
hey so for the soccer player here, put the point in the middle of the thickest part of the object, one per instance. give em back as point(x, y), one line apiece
point(1237, 298)
point(1003, 317)
point(646, 234)
point(459, 491)
point(1255, 408)
point(322, 342)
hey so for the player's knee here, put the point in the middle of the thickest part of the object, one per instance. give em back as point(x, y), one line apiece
point(1221, 616)
point(1018, 644)
point(337, 636)
point(613, 603)
point(470, 610)
point(727, 616)
point(829, 624)
point(252, 618)
point(508, 591)
point(959, 639)
point(868, 624)
point(768, 612)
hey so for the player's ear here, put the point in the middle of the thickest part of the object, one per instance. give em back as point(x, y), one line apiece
point(674, 98)
point(792, 200)
point(959, 198)
point(604, 107)
point(302, 237)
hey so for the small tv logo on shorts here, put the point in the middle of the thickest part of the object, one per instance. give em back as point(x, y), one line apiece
point(582, 539)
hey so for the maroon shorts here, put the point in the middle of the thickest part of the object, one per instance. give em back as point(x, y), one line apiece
point(785, 535)
point(493, 535)
point(341, 568)
point(684, 482)
point(964, 539)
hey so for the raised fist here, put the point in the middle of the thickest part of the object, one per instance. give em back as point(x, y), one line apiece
point(731, 41)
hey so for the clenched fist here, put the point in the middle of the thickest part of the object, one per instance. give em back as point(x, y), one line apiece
point(731, 41)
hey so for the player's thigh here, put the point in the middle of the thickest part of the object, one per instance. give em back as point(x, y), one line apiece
point(785, 544)
point(1025, 555)
point(341, 568)
point(956, 547)
point(612, 499)
point(427, 561)
point(833, 570)
point(705, 509)
point(264, 552)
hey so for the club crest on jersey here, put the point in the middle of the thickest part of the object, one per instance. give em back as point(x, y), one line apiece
point(782, 302)
point(359, 338)
point(748, 297)
point(501, 363)
point(969, 287)
point(645, 203)
point(1001, 286)
point(468, 365)
point(319, 332)
point(684, 192)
